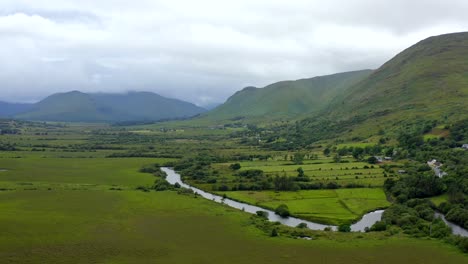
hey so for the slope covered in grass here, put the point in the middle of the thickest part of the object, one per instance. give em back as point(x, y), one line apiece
point(287, 99)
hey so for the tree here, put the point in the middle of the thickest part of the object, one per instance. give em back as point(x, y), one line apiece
point(298, 158)
point(235, 166)
point(337, 158)
point(262, 214)
point(372, 160)
point(326, 152)
point(358, 152)
point(274, 233)
point(282, 210)
point(302, 225)
point(300, 172)
point(344, 228)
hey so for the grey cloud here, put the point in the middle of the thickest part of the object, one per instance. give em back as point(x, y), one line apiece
point(203, 51)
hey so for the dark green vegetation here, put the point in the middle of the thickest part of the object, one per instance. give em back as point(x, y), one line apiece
point(286, 99)
point(413, 211)
point(135, 106)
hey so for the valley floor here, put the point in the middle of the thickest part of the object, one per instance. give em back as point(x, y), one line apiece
point(73, 194)
point(89, 226)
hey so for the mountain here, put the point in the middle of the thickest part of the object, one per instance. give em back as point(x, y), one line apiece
point(424, 84)
point(428, 79)
point(11, 109)
point(286, 99)
point(134, 106)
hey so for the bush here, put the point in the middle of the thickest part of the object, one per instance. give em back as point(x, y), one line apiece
point(439, 229)
point(223, 188)
point(344, 228)
point(161, 185)
point(142, 188)
point(185, 191)
point(372, 160)
point(302, 225)
point(282, 210)
point(274, 233)
point(235, 166)
point(262, 214)
point(379, 226)
point(250, 173)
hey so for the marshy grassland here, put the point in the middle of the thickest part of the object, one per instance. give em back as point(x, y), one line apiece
point(75, 194)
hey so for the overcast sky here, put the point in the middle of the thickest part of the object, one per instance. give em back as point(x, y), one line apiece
point(203, 51)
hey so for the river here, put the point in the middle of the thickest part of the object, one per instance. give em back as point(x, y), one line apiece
point(366, 221)
point(456, 230)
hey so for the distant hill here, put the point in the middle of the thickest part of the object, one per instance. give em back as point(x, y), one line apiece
point(134, 106)
point(286, 99)
point(11, 109)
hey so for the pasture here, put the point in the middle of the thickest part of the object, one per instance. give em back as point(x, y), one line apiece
point(64, 199)
point(332, 207)
point(164, 227)
point(122, 172)
point(321, 170)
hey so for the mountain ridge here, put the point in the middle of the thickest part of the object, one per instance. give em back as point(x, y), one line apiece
point(284, 99)
point(76, 106)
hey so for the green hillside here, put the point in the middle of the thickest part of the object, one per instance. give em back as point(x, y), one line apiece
point(427, 79)
point(287, 99)
point(136, 106)
point(427, 82)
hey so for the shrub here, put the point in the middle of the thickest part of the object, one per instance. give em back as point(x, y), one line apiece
point(262, 214)
point(302, 225)
point(379, 226)
point(223, 188)
point(344, 228)
point(142, 188)
point(161, 185)
point(282, 210)
point(235, 166)
point(274, 233)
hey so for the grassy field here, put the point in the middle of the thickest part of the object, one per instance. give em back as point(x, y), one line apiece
point(63, 200)
point(164, 227)
point(83, 171)
point(326, 206)
point(320, 170)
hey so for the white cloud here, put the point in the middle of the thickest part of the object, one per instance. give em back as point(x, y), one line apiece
point(202, 51)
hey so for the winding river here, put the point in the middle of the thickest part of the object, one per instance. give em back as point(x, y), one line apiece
point(456, 230)
point(367, 220)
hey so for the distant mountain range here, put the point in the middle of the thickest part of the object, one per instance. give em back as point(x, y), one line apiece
point(426, 81)
point(82, 107)
point(12, 109)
